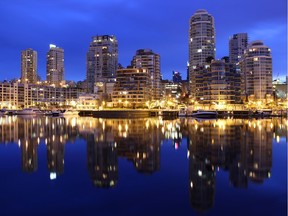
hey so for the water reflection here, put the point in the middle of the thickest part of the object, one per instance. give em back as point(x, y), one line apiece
point(102, 160)
point(242, 147)
point(137, 141)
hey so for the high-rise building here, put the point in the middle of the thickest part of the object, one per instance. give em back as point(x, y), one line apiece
point(55, 66)
point(201, 44)
point(102, 60)
point(146, 58)
point(29, 66)
point(132, 88)
point(221, 83)
point(256, 69)
point(237, 45)
point(176, 77)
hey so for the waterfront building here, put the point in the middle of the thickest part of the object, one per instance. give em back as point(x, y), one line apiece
point(88, 102)
point(132, 88)
point(17, 95)
point(256, 69)
point(29, 66)
point(104, 90)
point(237, 45)
point(221, 84)
point(55, 66)
point(171, 89)
point(201, 45)
point(102, 61)
point(146, 58)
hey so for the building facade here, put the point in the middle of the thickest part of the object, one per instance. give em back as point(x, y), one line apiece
point(55, 66)
point(102, 60)
point(171, 89)
point(132, 88)
point(176, 77)
point(221, 84)
point(29, 66)
point(201, 44)
point(146, 58)
point(18, 95)
point(256, 69)
point(237, 45)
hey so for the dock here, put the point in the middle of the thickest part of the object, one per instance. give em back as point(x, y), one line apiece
point(129, 113)
point(168, 113)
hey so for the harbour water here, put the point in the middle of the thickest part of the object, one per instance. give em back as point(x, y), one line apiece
point(147, 166)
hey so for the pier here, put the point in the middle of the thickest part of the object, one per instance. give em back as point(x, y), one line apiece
point(129, 113)
point(168, 114)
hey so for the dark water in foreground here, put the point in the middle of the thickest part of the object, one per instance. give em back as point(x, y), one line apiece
point(89, 166)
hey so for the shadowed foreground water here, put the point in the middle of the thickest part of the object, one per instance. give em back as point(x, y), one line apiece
point(91, 166)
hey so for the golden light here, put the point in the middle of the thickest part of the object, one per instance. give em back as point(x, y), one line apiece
point(278, 139)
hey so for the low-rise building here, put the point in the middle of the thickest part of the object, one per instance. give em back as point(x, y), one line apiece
point(17, 95)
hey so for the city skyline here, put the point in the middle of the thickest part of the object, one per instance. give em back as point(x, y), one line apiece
point(136, 25)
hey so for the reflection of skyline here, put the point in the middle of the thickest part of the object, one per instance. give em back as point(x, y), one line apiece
point(102, 161)
point(29, 156)
point(242, 147)
point(141, 145)
point(29, 144)
point(137, 141)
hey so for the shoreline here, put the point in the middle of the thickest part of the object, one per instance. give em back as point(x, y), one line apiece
point(138, 113)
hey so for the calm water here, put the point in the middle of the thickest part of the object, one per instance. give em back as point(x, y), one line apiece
point(89, 166)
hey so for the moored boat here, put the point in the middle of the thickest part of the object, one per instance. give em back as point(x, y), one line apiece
point(65, 112)
point(205, 114)
point(29, 111)
point(3, 112)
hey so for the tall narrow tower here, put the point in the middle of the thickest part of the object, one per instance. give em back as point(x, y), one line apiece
point(29, 66)
point(237, 44)
point(146, 58)
point(201, 44)
point(102, 60)
point(55, 66)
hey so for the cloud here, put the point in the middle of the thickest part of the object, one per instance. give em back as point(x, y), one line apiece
point(268, 31)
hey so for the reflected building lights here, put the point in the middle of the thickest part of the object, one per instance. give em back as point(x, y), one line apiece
point(228, 144)
point(241, 147)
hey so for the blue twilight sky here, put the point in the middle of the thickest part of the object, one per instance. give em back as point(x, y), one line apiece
point(161, 25)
